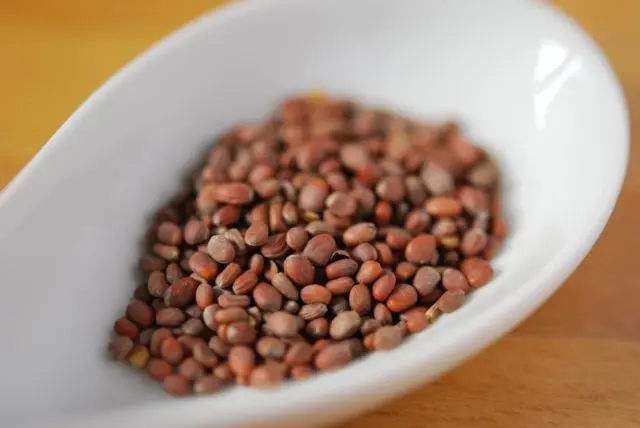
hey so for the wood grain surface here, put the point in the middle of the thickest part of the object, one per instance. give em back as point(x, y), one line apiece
point(575, 363)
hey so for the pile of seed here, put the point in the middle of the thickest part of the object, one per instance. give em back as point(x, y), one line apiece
point(307, 240)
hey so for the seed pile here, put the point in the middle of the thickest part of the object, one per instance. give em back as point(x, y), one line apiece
point(308, 240)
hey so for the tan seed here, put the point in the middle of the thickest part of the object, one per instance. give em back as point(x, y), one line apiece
point(297, 238)
point(120, 347)
point(265, 376)
point(271, 348)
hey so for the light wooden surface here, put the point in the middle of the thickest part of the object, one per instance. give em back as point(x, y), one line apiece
point(576, 363)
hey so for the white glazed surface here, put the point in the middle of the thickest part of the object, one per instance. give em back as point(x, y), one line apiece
point(526, 82)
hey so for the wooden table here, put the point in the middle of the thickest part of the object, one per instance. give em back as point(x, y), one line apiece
point(576, 363)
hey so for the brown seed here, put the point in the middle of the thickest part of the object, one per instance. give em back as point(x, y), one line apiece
point(221, 249)
point(299, 269)
point(437, 180)
point(451, 300)
point(120, 347)
point(359, 233)
point(499, 227)
point(226, 215)
point(299, 353)
point(383, 213)
point(223, 372)
point(168, 252)
point(229, 315)
point(340, 286)
point(339, 268)
point(364, 252)
point(171, 351)
point(142, 293)
point(181, 293)
point(300, 372)
point(387, 337)
point(443, 206)
point(276, 222)
point(360, 299)
point(257, 234)
point(149, 263)
point(204, 295)
point(190, 369)
point(176, 385)
point(157, 338)
point(140, 313)
point(417, 221)
point(416, 191)
point(271, 348)
point(266, 375)
point(391, 189)
point(420, 250)
point(484, 174)
point(169, 233)
point(492, 249)
point(157, 284)
point(245, 282)
point(444, 227)
point(317, 227)
point(405, 271)
point(315, 293)
point(397, 238)
point(241, 360)
point(232, 193)
point(284, 285)
point(426, 280)
point(345, 325)
point(189, 342)
point(158, 304)
point(124, 327)
point(333, 356)
point(402, 298)
point(208, 384)
point(194, 311)
point(290, 213)
point(195, 232)
point(478, 271)
point(297, 238)
point(453, 279)
point(415, 319)
point(318, 327)
point(383, 286)
point(369, 325)
point(312, 311)
point(158, 369)
point(240, 333)
point(473, 200)
point(473, 242)
point(145, 336)
point(209, 316)
point(369, 271)
point(319, 249)
point(228, 275)
point(230, 300)
point(174, 271)
point(204, 355)
point(284, 324)
point(170, 317)
point(267, 297)
point(275, 247)
point(341, 204)
point(219, 347)
point(366, 199)
point(313, 195)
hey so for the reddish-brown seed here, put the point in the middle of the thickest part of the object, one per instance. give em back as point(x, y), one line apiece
point(271, 348)
point(124, 327)
point(493, 247)
point(226, 215)
point(223, 372)
point(437, 180)
point(473, 242)
point(319, 249)
point(240, 333)
point(299, 269)
point(169, 233)
point(266, 375)
point(312, 311)
point(417, 221)
point(176, 385)
point(203, 265)
point(299, 353)
point(317, 227)
point(300, 372)
point(387, 337)
point(284, 324)
point(120, 347)
point(402, 298)
point(204, 295)
point(397, 238)
point(267, 297)
point(473, 200)
point(451, 300)
point(171, 350)
point(345, 325)
point(228, 275)
point(385, 254)
point(157, 338)
point(318, 327)
point(339, 268)
point(275, 247)
point(142, 293)
point(297, 238)
point(209, 316)
point(170, 317)
point(158, 369)
point(315, 293)
point(499, 227)
point(359, 233)
point(391, 189)
point(192, 327)
point(340, 286)
point(333, 356)
point(149, 263)
point(190, 369)
point(232, 193)
point(415, 319)
point(257, 234)
point(453, 279)
point(140, 313)
point(420, 250)
point(230, 300)
point(241, 360)
point(168, 252)
point(478, 271)
point(426, 280)
point(383, 213)
point(369, 325)
point(383, 286)
point(444, 227)
point(443, 206)
point(405, 271)
point(181, 293)
point(221, 249)
point(382, 314)
point(229, 315)
point(195, 232)
point(369, 271)
point(341, 204)
point(285, 286)
point(204, 355)
point(364, 252)
point(245, 282)
point(360, 299)
point(208, 384)
point(157, 284)
point(312, 195)
point(219, 346)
